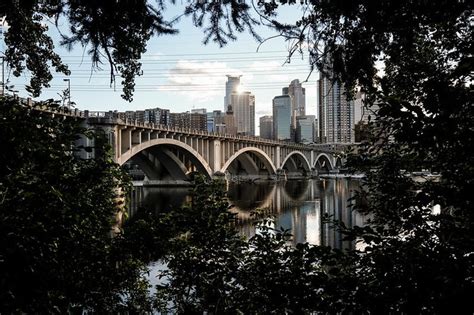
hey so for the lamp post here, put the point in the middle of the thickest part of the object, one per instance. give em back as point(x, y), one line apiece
point(68, 92)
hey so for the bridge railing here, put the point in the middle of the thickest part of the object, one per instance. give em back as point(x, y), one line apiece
point(115, 117)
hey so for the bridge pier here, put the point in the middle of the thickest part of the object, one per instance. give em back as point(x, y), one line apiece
point(215, 155)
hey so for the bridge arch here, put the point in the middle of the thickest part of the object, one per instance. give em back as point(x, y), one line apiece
point(306, 164)
point(267, 161)
point(198, 160)
point(323, 161)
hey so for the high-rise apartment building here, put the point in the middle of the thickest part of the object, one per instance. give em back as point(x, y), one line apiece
point(266, 127)
point(193, 121)
point(220, 122)
point(364, 113)
point(282, 117)
point(229, 122)
point(198, 121)
point(199, 111)
point(157, 116)
point(336, 112)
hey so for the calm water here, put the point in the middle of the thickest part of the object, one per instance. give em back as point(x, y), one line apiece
point(296, 205)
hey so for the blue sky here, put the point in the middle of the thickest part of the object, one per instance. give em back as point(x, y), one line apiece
point(180, 73)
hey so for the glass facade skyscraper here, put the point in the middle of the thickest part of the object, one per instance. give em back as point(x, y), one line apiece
point(298, 100)
point(231, 86)
point(305, 129)
point(282, 117)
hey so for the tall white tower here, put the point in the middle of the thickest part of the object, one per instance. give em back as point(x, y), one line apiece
point(243, 104)
point(231, 86)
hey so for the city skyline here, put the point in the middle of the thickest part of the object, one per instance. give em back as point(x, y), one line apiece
point(180, 73)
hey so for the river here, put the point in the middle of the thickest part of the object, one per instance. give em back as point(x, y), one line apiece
point(298, 205)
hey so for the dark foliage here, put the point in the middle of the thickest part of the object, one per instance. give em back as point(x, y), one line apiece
point(212, 269)
point(117, 31)
point(57, 211)
point(55, 256)
point(416, 260)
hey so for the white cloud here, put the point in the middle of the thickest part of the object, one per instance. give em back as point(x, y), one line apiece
point(198, 81)
point(263, 108)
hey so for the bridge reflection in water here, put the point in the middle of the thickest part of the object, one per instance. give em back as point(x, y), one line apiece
point(296, 205)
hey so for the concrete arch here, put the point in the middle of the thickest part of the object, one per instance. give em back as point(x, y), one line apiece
point(259, 153)
point(248, 164)
point(197, 158)
point(306, 165)
point(326, 158)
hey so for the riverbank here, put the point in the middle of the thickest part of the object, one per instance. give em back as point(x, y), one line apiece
point(162, 183)
point(230, 179)
point(346, 176)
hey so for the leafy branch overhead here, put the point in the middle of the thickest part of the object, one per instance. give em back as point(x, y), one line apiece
point(115, 32)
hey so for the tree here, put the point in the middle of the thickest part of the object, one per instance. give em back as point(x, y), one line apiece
point(118, 31)
point(425, 121)
point(415, 260)
point(57, 211)
point(211, 269)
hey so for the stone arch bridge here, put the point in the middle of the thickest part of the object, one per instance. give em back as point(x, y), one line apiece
point(165, 153)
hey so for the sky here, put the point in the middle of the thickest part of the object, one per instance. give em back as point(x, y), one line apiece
point(180, 73)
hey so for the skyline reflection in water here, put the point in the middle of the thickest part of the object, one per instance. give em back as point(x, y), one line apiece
point(296, 205)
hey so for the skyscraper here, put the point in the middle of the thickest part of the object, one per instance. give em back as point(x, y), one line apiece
point(282, 117)
point(364, 113)
point(212, 121)
point(336, 112)
point(231, 86)
point(266, 127)
point(305, 129)
point(243, 105)
point(298, 100)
